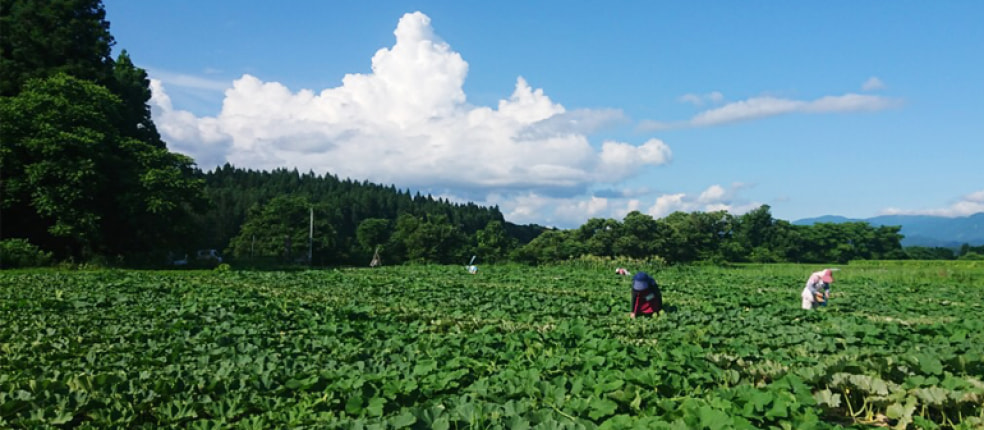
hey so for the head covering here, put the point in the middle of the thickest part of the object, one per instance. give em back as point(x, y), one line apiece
point(826, 276)
point(641, 281)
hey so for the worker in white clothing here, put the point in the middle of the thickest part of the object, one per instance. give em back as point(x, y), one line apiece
point(817, 289)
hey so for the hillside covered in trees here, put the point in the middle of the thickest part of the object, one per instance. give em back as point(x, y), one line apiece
point(85, 176)
point(272, 215)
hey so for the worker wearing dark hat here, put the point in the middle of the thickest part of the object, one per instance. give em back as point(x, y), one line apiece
point(647, 299)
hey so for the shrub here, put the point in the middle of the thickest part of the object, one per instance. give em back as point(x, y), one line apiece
point(16, 253)
point(971, 256)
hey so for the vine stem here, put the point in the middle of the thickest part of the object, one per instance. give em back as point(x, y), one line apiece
point(847, 399)
point(562, 413)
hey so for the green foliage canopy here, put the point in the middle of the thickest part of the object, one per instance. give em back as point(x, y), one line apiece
point(75, 184)
point(44, 38)
point(281, 229)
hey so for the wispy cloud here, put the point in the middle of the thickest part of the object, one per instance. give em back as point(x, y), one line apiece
point(623, 192)
point(579, 121)
point(967, 205)
point(768, 106)
point(873, 84)
point(713, 97)
point(183, 80)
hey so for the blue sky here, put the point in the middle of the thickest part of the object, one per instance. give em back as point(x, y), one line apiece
point(562, 111)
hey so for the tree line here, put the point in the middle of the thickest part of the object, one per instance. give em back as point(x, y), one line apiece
point(283, 215)
point(964, 252)
point(85, 175)
point(286, 214)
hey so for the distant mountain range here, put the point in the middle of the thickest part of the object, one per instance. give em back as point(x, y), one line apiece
point(923, 230)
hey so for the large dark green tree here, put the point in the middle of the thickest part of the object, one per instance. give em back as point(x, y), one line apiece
point(372, 232)
point(694, 236)
point(638, 238)
point(281, 228)
point(886, 243)
point(549, 247)
point(493, 243)
point(598, 235)
point(428, 240)
point(59, 136)
point(75, 184)
point(758, 237)
point(41, 38)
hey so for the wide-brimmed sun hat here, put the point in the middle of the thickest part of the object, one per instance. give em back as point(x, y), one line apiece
point(827, 276)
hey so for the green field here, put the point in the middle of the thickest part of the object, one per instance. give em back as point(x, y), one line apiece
point(901, 344)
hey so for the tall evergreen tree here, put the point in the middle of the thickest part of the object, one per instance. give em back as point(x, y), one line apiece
point(132, 85)
point(43, 38)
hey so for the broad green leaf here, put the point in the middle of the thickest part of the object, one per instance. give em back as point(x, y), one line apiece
point(931, 395)
point(404, 419)
point(441, 423)
point(828, 398)
point(424, 367)
point(713, 419)
point(517, 422)
point(375, 407)
point(930, 364)
point(601, 408)
point(354, 405)
point(609, 386)
point(779, 409)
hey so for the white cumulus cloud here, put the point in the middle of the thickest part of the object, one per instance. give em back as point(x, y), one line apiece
point(714, 198)
point(408, 122)
point(571, 212)
point(201, 138)
point(565, 212)
point(967, 205)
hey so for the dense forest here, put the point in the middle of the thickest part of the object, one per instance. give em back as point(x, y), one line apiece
point(273, 215)
point(86, 177)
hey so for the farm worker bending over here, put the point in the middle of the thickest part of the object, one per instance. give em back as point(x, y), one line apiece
point(646, 296)
point(817, 289)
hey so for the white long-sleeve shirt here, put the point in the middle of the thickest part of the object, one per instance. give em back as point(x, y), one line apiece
point(814, 286)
